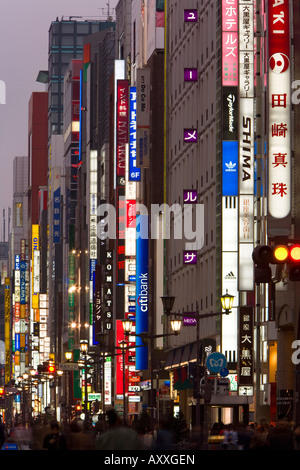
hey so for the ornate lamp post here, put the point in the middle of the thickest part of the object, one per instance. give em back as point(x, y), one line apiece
point(226, 302)
point(127, 327)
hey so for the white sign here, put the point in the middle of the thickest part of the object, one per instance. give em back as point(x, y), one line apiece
point(279, 164)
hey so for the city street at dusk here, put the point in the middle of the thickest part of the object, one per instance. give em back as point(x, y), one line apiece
point(150, 232)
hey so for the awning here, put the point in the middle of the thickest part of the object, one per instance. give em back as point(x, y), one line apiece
point(169, 360)
point(177, 357)
point(193, 355)
point(185, 355)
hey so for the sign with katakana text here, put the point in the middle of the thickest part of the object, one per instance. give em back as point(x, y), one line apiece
point(190, 257)
point(230, 43)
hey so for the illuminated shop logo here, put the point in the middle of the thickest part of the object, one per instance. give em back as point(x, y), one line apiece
point(279, 63)
point(230, 166)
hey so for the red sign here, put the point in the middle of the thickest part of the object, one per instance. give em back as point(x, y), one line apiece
point(279, 38)
point(135, 379)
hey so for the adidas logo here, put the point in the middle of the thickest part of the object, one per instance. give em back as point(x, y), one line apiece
point(230, 166)
point(230, 275)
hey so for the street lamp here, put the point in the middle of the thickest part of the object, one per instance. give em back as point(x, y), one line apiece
point(175, 326)
point(123, 346)
point(226, 302)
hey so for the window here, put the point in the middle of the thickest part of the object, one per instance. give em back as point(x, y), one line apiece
point(19, 214)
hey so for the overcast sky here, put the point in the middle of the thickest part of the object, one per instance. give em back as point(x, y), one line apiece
point(24, 26)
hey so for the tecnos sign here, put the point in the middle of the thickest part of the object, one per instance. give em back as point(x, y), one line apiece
point(122, 125)
point(279, 165)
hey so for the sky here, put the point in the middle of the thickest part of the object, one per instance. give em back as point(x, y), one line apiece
point(24, 26)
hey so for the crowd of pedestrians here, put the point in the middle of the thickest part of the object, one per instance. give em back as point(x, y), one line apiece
point(283, 435)
point(110, 433)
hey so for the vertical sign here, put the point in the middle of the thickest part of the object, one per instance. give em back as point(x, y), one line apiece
point(142, 289)
point(122, 146)
point(120, 366)
point(122, 125)
point(230, 120)
point(97, 310)
point(246, 144)
point(93, 224)
point(56, 216)
point(279, 164)
point(134, 171)
point(230, 44)
point(35, 266)
point(107, 381)
point(7, 330)
point(246, 338)
point(143, 117)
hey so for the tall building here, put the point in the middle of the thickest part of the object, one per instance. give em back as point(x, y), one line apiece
point(65, 43)
point(66, 39)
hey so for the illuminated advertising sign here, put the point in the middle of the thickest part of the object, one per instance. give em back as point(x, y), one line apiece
point(119, 390)
point(230, 168)
point(246, 144)
point(97, 306)
point(230, 113)
point(122, 124)
point(246, 341)
point(190, 16)
point(56, 216)
point(230, 162)
point(230, 46)
point(143, 117)
point(107, 381)
point(7, 329)
point(279, 165)
point(35, 267)
point(230, 283)
point(134, 171)
point(142, 289)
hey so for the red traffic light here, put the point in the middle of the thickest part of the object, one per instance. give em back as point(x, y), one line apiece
point(263, 255)
point(295, 253)
point(51, 368)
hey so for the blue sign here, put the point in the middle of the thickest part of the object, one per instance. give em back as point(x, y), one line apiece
point(230, 168)
point(224, 372)
point(17, 262)
point(134, 171)
point(23, 267)
point(17, 341)
point(215, 362)
point(142, 289)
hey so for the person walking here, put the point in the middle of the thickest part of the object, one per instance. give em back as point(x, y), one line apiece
point(55, 440)
point(118, 436)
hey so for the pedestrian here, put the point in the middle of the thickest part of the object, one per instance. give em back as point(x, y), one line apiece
point(55, 440)
point(2, 433)
point(297, 436)
point(281, 437)
point(230, 438)
point(165, 438)
point(117, 436)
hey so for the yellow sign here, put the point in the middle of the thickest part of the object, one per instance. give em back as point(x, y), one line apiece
point(7, 329)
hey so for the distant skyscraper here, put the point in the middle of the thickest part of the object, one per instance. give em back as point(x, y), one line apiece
point(65, 44)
